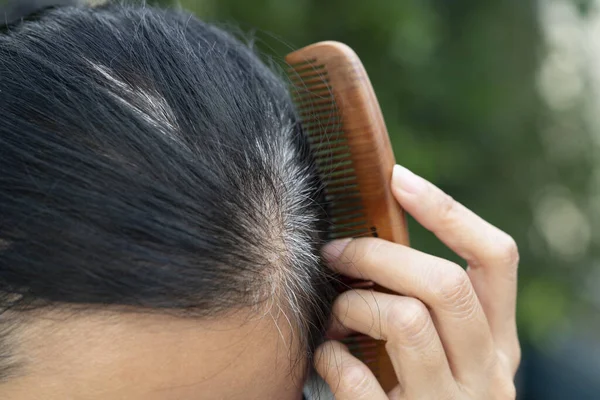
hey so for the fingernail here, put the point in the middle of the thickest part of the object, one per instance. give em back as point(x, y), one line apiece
point(405, 180)
point(334, 249)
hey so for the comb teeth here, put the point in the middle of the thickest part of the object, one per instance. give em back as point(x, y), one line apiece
point(347, 135)
point(322, 123)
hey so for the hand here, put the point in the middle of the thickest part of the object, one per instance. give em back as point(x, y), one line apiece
point(450, 333)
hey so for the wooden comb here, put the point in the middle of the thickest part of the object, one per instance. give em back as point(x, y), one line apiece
point(344, 124)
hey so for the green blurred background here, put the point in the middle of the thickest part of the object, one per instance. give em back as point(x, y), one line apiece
point(498, 103)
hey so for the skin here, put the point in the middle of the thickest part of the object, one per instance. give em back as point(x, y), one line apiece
point(128, 356)
point(450, 333)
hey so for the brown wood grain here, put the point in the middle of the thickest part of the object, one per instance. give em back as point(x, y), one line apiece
point(328, 71)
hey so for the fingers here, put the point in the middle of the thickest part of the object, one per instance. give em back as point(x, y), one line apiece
point(412, 341)
point(347, 376)
point(492, 254)
point(443, 286)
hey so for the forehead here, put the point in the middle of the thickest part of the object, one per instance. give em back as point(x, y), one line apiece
point(157, 357)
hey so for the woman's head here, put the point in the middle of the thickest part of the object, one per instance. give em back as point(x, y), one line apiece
point(159, 212)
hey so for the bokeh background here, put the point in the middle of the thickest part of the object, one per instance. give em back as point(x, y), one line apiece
point(498, 103)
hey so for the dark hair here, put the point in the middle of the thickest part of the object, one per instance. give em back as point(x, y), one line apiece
point(151, 160)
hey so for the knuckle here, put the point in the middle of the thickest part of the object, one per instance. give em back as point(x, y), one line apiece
point(453, 285)
point(355, 381)
point(446, 207)
point(409, 319)
point(506, 250)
